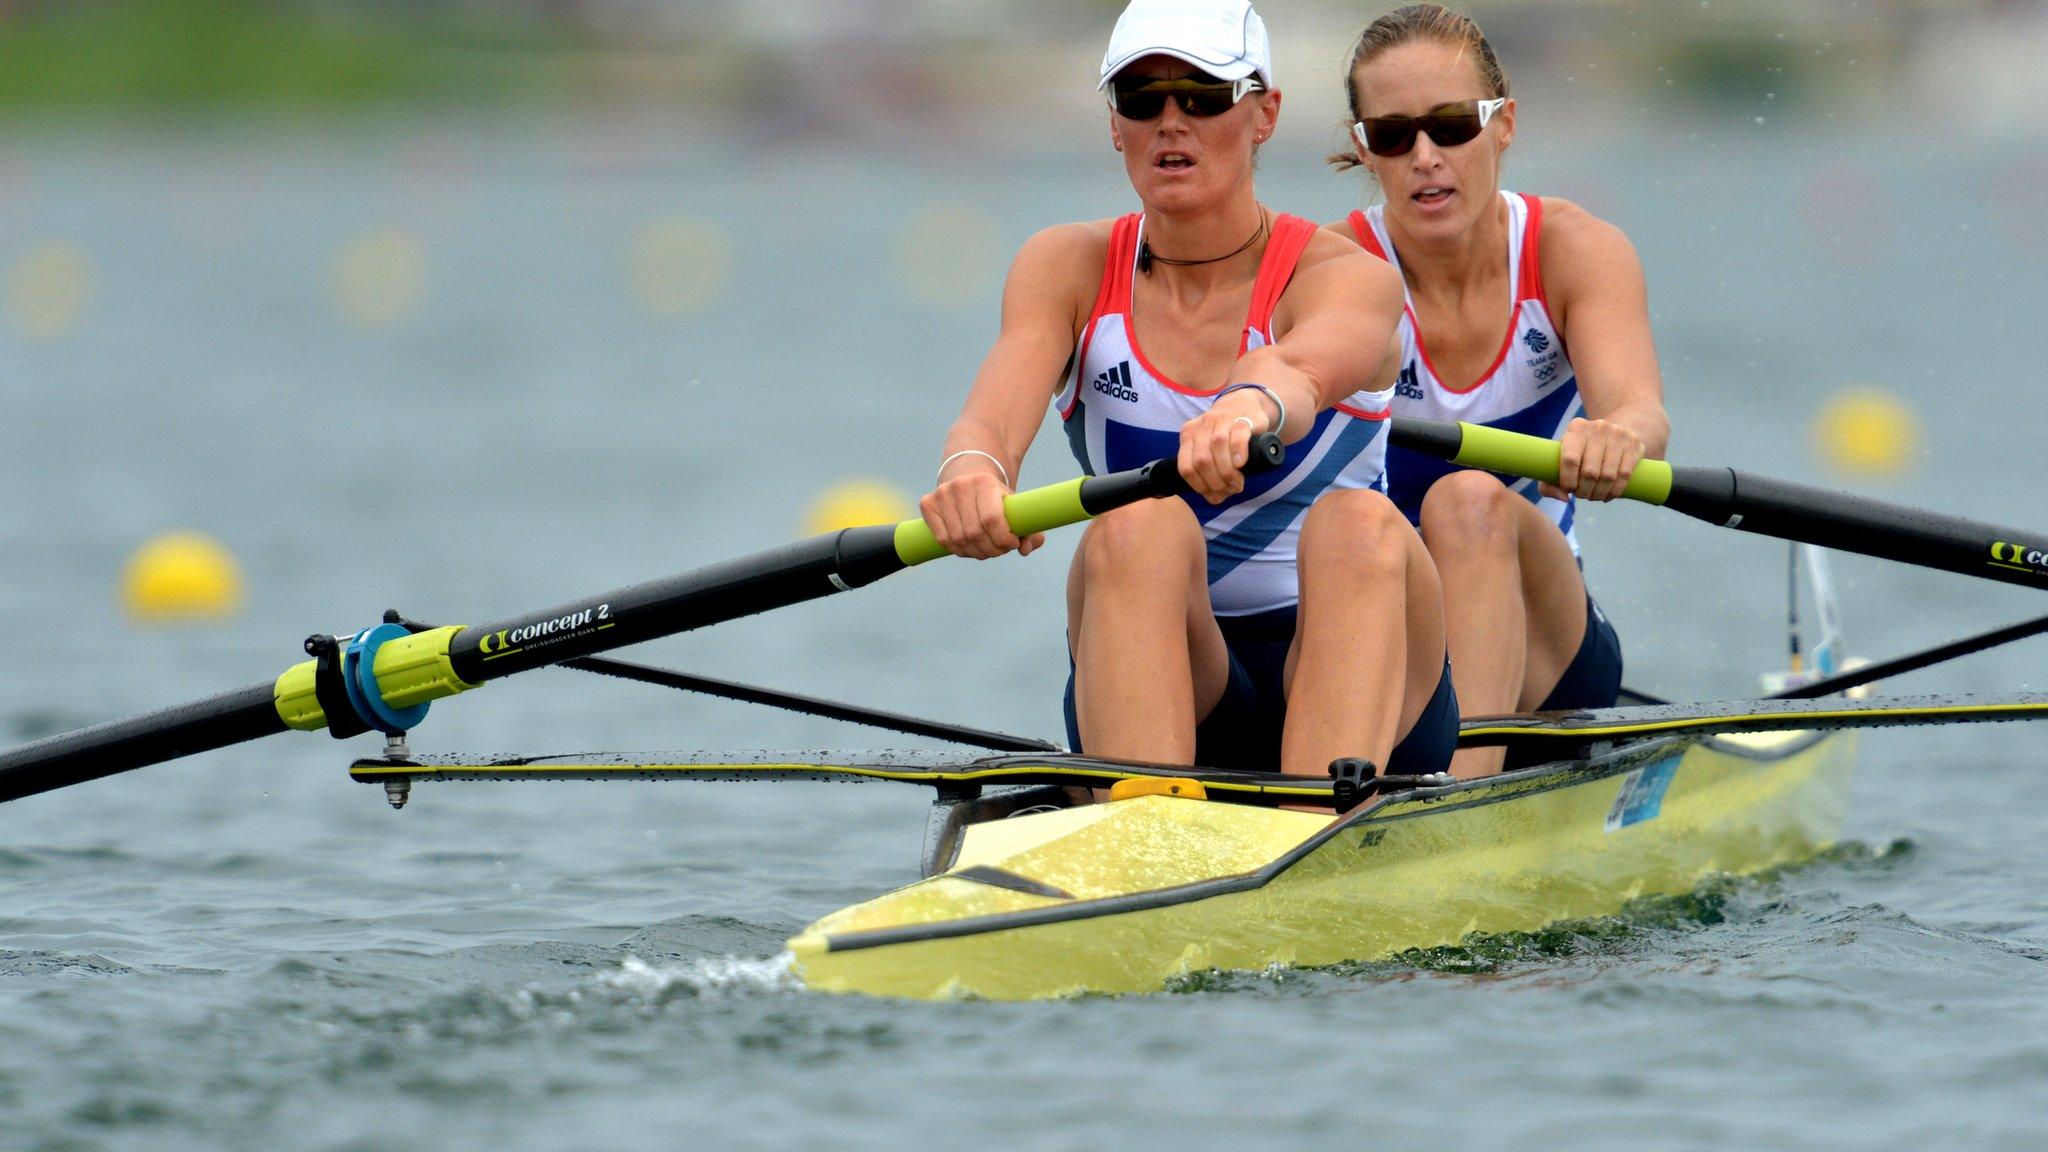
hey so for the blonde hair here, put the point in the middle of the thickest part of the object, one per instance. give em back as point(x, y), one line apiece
point(1407, 25)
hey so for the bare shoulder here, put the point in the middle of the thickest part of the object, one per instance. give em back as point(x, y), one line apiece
point(1343, 228)
point(1336, 257)
point(1577, 244)
point(1057, 273)
point(1064, 250)
point(1337, 277)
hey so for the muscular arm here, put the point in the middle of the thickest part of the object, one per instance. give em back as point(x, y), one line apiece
point(1601, 304)
point(1334, 332)
point(1042, 312)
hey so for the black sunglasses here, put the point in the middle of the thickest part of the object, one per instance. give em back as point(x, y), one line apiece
point(1145, 99)
point(1448, 125)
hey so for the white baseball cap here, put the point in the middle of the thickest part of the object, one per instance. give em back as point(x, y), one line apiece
point(1224, 38)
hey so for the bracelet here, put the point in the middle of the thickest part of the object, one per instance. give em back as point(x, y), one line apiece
point(1000, 470)
point(1280, 421)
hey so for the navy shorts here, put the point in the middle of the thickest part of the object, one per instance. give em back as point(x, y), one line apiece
point(1243, 733)
point(1591, 680)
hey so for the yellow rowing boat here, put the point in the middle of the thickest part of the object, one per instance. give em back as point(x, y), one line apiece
point(1129, 895)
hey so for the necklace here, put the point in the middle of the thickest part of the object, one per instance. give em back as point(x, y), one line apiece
point(1146, 257)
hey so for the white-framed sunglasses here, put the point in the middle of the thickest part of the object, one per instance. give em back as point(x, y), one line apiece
point(1448, 125)
point(1145, 99)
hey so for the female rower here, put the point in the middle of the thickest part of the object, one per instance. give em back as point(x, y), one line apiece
point(1194, 625)
point(1576, 362)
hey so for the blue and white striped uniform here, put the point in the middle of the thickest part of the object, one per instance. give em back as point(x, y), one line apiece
point(1530, 388)
point(1121, 412)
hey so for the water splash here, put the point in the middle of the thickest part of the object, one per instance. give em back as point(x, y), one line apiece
point(707, 977)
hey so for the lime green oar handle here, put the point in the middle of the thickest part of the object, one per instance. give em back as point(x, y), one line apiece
point(1765, 505)
point(1036, 510)
point(1030, 512)
point(1498, 450)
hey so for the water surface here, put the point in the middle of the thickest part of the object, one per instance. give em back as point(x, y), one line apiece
point(247, 950)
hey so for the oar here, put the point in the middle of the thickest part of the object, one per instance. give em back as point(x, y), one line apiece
point(1764, 505)
point(1556, 731)
point(811, 705)
point(1561, 734)
point(789, 701)
point(386, 676)
point(933, 769)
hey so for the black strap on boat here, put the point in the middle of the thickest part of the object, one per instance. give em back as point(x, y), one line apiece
point(1353, 781)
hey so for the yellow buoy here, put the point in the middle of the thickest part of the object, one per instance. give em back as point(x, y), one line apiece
point(379, 279)
point(1865, 433)
point(181, 577)
point(678, 267)
point(950, 256)
point(47, 291)
point(853, 503)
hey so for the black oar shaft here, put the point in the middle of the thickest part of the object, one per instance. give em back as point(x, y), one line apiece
point(1761, 504)
point(777, 578)
point(151, 738)
point(782, 576)
point(805, 570)
point(1848, 523)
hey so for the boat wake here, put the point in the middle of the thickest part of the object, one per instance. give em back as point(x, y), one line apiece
point(703, 978)
point(34, 965)
point(618, 995)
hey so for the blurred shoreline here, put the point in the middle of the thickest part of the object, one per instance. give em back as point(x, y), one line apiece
point(1019, 71)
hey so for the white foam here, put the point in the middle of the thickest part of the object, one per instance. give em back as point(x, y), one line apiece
point(715, 976)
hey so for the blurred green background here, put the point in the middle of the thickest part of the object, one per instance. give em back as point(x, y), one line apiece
point(152, 57)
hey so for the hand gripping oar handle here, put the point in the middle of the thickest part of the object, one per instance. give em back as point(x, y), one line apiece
point(1084, 498)
point(805, 570)
point(411, 670)
point(1763, 505)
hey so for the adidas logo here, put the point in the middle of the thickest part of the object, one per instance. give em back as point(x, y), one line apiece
point(1409, 383)
point(1116, 383)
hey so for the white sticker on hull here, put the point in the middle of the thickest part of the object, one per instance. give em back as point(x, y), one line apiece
point(1642, 794)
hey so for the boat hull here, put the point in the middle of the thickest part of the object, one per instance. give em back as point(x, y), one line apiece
point(1128, 896)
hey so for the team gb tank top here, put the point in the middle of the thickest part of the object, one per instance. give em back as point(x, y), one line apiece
point(1530, 388)
point(1120, 412)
